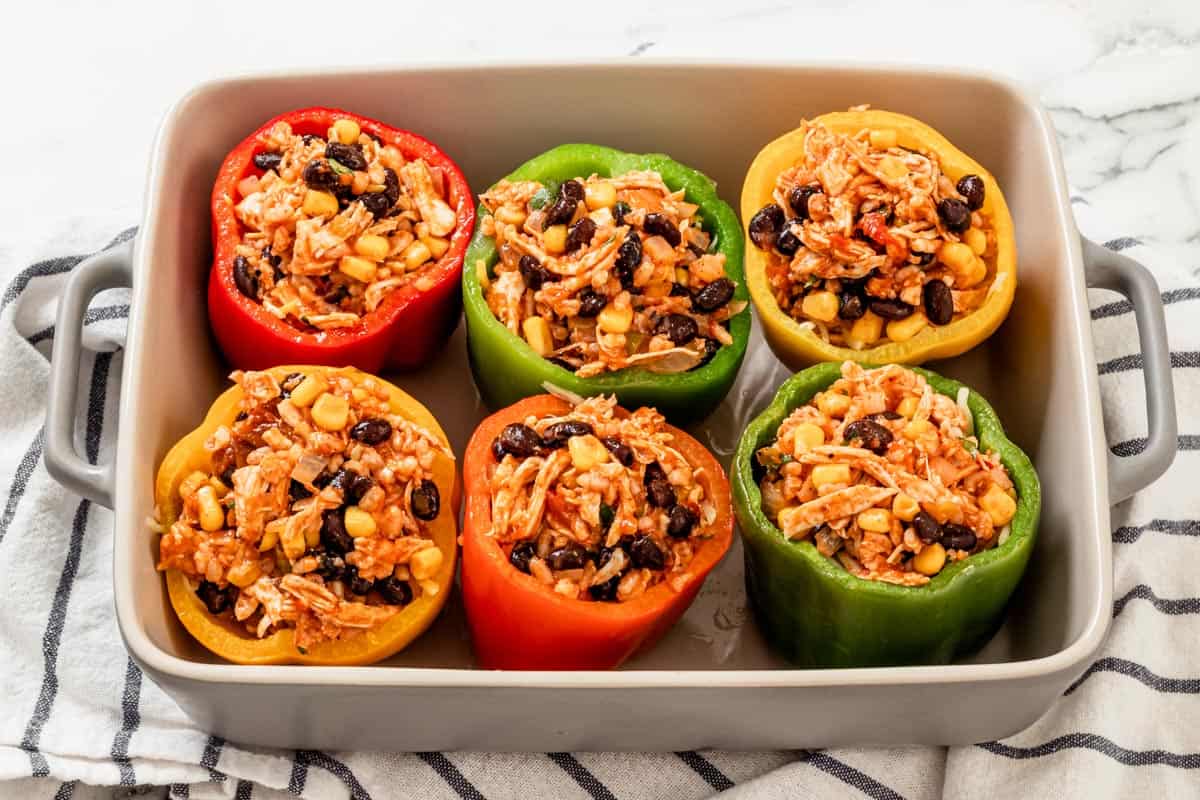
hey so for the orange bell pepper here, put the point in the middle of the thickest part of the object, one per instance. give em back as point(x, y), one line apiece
point(516, 622)
point(232, 642)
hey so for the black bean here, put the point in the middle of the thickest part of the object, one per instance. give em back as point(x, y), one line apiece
point(521, 553)
point(605, 592)
point(923, 259)
point(681, 521)
point(580, 234)
point(391, 186)
point(372, 431)
point(356, 487)
point(559, 362)
point(215, 598)
point(622, 452)
point(954, 214)
point(375, 202)
point(958, 537)
point(971, 187)
point(319, 175)
point(629, 257)
point(939, 302)
point(497, 450)
point(646, 554)
point(333, 533)
point(569, 556)
point(556, 435)
point(654, 472)
point(340, 480)
point(591, 303)
point(927, 528)
point(572, 190)
point(394, 591)
point(297, 491)
point(331, 567)
point(851, 306)
point(289, 383)
point(890, 309)
point(679, 328)
point(788, 241)
point(873, 436)
point(519, 440)
point(266, 161)
point(679, 290)
point(619, 210)
point(713, 296)
point(355, 582)
point(799, 196)
point(660, 494)
point(245, 277)
point(711, 348)
point(659, 225)
point(559, 212)
point(270, 257)
point(339, 293)
point(324, 479)
point(349, 156)
point(426, 501)
point(765, 225)
point(533, 273)
point(892, 415)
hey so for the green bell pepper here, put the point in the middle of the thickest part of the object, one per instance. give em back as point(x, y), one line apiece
point(506, 369)
point(816, 614)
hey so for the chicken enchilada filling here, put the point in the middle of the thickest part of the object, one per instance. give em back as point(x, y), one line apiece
point(314, 513)
point(596, 505)
point(607, 273)
point(870, 242)
point(886, 477)
point(332, 225)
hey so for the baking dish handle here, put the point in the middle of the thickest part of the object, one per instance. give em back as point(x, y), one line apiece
point(107, 270)
point(1107, 269)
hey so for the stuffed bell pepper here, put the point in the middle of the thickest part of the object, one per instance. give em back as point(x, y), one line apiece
point(310, 519)
point(872, 238)
point(337, 240)
point(604, 272)
point(588, 532)
point(885, 516)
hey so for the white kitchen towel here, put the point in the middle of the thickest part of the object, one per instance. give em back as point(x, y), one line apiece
point(78, 719)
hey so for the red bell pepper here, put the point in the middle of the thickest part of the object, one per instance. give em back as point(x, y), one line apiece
point(407, 328)
point(516, 622)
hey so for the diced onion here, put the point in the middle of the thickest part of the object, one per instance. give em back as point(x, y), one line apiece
point(562, 394)
point(961, 399)
point(308, 468)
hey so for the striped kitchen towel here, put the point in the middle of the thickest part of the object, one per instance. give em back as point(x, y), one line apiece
point(77, 718)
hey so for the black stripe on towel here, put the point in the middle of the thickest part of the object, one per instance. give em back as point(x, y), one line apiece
point(1131, 447)
point(210, 757)
point(1183, 605)
point(54, 266)
point(1122, 243)
point(706, 769)
point(299, 774)
point(1128, 534)
point(52, 636)
point(130, 719)
point(850, 776)
point(339, 770)
point(450, 774)
point(1098, 743)
point(245, 790)
point(1119, 307)
point(582, 775)
point(29, 462)
point(179, 790)
point(120, 311)
point(1182, 359)
point(66, 791)
point(1132, 669)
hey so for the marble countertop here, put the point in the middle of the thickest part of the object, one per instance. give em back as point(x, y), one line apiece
point(1121, 80)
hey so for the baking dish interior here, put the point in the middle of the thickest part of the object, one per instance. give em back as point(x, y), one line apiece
point(1037, 370)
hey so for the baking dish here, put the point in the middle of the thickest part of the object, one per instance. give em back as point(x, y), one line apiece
point(711, 682)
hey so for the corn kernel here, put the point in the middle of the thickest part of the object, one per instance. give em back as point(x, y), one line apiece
point(346, 131)
point(930, 560)
point(243, 574)
point(430, 588)
point(358, 268)
point(957, 256)
point(681, 276)
point(293, 543)
point(426, 563)
point(821, 306)
point(892, 167)
point(945, 511)
point(586, 452)
point(331, 412)
point(511, 215)
point(437, 245)
point(824, 474)
point(218, 487)
point(371, 246)
point(481, 273)
point(192, 483)
point(416, 254)
point(975, 273)
point(908, 406)
point(999, 506)
point(832, 404)
point(269, 539)
point(554, 239)
point(901, 330)
point(312, 536)
point(319, 204)
point(865, 331)
point(878, 520)
point(657, 289)
point(918, 428)
point(212, 515)
point(599, 194)
point(788, 523)
point(304, 394)
point(905, 507)
point(358, 522)
point(884, 139)
point(976, 240)
point(537, 333)
point(806, 436)
point(615, 320)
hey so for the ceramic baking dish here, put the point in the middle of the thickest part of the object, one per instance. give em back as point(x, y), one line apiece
point(711, 682)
